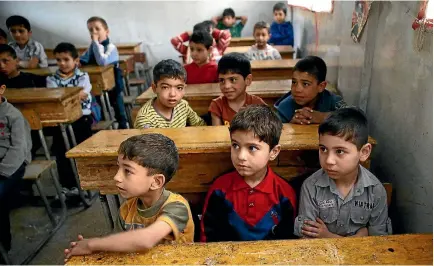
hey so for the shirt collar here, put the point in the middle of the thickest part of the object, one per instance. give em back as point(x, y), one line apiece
point(363, 180)
point(266, 185)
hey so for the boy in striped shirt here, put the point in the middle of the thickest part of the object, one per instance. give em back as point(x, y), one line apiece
point(168, 109)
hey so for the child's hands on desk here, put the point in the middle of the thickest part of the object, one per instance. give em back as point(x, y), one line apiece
point(81, 247)
point(307, 116)
point(316, 229)
point(83, 95)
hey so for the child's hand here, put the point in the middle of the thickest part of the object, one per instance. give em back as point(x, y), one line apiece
point(81, 247)
point(308, 116)
point(83, 95)
point(316, 229)
point(94, 37)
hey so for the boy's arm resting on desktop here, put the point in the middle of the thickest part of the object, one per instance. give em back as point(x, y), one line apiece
point(104, 58)
point(276, 55)
point(178, 42)
point(223, 38)
point(84, 58)
point(51, 83)
point(142, 120)
point(379, 223)
point(215, 120)
point(38, 57)
point(17, 150)
point(193, 119)
point(216, 113)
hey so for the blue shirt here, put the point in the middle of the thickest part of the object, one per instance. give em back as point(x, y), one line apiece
point(327, 102)
point(281, 34)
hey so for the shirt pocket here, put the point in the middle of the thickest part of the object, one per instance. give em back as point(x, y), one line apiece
point(328, 215)
point(360, 216)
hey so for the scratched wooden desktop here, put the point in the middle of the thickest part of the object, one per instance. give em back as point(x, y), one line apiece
point(286, 51)
point(53, 106)
point(273, 69)
point(242, 41)
point(204, 155)
point(123, 49)
point(395, 249)
point(101, 77)
point(199, 96)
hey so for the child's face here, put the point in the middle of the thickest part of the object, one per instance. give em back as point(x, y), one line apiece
point(261, 37)
point(20, 34)
point(249, 154)
point(169, 91)
point(3, 40)
point(132, 179)
point(228, 21)
point(8, 64)
point(199, 53)
point(233, 85)
point(97, 30)
point(305, 88)
point(65, 62)
point(279, 16)
point(340, 158)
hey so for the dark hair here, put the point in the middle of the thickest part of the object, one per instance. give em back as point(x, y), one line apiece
point(209, 24)
point(16, 21)
point(4, 48)
point(261, 120)
point(228, 12)
point(153, 151)
point(348, 123)
point(313, 65)
point(99, 19)
point(169, 68)
point(65, 47)
point(3, 34)
point(202, 37)
point(236, 63)
point(261, 25)
point(280, 6)
point(204, 26)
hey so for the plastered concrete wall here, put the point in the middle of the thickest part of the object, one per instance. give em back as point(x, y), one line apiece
point(152, 22)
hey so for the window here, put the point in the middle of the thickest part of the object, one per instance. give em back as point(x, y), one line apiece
point(313, 5)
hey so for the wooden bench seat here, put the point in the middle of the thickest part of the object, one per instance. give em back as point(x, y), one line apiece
point(103, 125)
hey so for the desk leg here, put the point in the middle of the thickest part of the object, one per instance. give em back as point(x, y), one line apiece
point(73, 166)
point(107, 100)
point(127, 84)
point(106, 210)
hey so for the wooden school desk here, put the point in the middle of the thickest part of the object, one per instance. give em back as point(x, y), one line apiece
point(393, 249)
point(286, 51)
point(273, 69)
point(123, 49)
point(199, 96)
point(242, 41)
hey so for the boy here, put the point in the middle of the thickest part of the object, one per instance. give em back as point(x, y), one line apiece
point(343, 198)
point(15, 78)
point(168, 109)
point(234, 74)
point(15, 146)
point(102, 52)
point(228, 21)
point(220, 43)
point(261, 50)
point(308, 102)
point(31, 54)
point(3, 37)
point(252, 202)
point(151, 215)
point(68, 75)
point(201, 70)
point(282, 32)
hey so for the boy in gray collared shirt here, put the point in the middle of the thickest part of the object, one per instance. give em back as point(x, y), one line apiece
point(343, 198)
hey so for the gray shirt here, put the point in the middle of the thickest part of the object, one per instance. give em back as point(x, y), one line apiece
point(364, 206)
point(32, 49)
point(269, 53)
point(15, 139)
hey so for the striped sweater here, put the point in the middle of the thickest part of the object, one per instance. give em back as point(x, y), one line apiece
point(182, 116)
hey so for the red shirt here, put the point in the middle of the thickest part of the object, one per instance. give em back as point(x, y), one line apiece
point(201, 74)
point(220, 107)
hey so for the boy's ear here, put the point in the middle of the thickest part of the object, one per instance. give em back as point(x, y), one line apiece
point(30, 33)
point(365, 152)
point(77, 60)
point(2, 89)
point(157, 182)
point(249, 79)
point(274, 152)
point(322, 86)
point(154, 87)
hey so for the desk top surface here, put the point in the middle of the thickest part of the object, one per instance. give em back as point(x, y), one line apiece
point(394, 249)
point(274, 64)
point(51, 70)
point(243, 49)
point(239, 39)
point(118, 45)
point(40, 95)
point(207, 139)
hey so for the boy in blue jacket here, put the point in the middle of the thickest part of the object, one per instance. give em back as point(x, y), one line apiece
point(281, 30)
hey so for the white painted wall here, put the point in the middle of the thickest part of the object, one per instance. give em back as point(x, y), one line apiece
point(152, 22)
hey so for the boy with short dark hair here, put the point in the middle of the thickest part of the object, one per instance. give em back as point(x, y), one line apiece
point(168, 109)
point(282, 32)
point(31, 54)
point(252, 202)
point(17, 79)
point(3, 37)
point(343, 198)
point(15, 146)
point(235, 75)
point(228, 21)
point(102, 52)
point(221, 40)
point(201, 70)
point(151, 215)
point(308, 102)
point(261, 50)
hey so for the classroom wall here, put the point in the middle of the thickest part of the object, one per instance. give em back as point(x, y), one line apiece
point(385, 74)
point(152, 22)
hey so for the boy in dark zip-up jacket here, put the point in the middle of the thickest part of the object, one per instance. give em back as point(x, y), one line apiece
point(282, 32)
